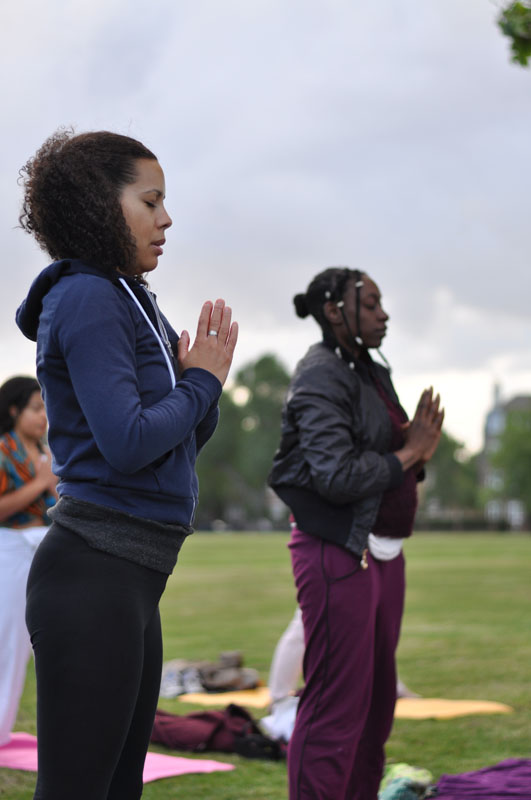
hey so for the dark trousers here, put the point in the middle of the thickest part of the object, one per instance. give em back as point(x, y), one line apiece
point(95, 629)
point(351, 623)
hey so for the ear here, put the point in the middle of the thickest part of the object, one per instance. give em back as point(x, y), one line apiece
point(13, 412)
point(332, 313)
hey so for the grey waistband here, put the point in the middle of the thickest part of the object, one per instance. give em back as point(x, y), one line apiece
point(144, 541)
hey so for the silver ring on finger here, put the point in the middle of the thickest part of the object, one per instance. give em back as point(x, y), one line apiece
point(212, 333)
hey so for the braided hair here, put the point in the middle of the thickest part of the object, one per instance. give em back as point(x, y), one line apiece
point(330, 285)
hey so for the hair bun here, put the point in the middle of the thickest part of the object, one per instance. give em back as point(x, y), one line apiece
point(301, 305)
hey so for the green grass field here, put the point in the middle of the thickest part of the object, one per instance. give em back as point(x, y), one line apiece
point(466, 634)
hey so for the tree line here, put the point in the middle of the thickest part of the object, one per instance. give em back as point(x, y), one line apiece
point(234, 465)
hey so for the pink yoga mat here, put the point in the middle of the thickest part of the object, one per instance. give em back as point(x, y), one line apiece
point(21, 753)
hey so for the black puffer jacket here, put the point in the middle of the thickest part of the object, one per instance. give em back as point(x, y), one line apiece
point(333, 463)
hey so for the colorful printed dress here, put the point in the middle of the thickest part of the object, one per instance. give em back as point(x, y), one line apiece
point(20, 535)
point(16, 469)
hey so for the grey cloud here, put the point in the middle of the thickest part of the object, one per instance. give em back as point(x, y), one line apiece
point(293, 136)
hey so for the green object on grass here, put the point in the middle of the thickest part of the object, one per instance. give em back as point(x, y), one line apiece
point(418, 777)
point(399, 789)
point(404, 782)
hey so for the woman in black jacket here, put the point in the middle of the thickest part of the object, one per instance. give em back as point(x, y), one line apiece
point(347, 467)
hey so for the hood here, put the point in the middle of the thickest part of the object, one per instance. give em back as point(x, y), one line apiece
point(29, 311)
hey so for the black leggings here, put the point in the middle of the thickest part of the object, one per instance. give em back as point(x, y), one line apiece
point(95, 629)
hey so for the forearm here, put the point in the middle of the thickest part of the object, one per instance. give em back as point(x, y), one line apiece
point(342, 470)
point(207, 426)
point(19, 499)
point(356, 476)
point(133, 440)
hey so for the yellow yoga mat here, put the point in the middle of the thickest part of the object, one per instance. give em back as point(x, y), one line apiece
point(406, 707)
point(438, 708)
point(252, 698)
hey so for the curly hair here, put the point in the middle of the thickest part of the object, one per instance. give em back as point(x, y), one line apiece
point(72, 192)
point(15, 392)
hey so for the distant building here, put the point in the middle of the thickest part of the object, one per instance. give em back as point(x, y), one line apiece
point(500, 511)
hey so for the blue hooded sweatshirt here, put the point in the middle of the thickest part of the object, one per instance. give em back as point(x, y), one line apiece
point(120, 435)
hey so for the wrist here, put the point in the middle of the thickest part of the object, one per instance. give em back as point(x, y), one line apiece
point(408, 457)
point(40, 484)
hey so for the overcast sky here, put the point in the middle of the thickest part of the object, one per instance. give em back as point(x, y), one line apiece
point(298, 134)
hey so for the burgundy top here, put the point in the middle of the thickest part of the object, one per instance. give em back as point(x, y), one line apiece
point(398, 506)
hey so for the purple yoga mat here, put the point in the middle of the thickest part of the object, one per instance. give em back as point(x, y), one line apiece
point(508, 780)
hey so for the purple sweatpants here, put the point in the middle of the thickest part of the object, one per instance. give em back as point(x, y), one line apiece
point(351, 623)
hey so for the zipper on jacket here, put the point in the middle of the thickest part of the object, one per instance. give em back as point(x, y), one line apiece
point(162, 328)
point(194, 501)
point(160, 335)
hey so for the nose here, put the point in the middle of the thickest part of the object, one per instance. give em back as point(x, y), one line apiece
point(384, 315)
point(165, 221)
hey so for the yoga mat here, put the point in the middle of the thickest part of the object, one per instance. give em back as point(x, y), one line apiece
point(250, 698)
point(159, 765)
point(21, 753)
point(406, 707)
point(508, 780)
point(438, 708)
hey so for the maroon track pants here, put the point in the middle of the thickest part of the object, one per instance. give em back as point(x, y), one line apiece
point(351, 622)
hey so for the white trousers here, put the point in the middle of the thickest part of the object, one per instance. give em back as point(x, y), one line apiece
point(16, 554)
point(286, 666)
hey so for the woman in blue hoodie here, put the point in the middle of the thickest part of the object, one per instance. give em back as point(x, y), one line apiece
point(129, 405)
